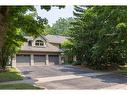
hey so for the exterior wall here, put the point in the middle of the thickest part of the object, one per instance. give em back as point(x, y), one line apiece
point(14, 62)
point(74, 59)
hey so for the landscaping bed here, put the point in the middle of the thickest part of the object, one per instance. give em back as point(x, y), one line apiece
point(11, 74)
point(123, 70)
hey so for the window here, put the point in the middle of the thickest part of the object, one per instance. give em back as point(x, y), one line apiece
point(39, 43)
point(29, 43)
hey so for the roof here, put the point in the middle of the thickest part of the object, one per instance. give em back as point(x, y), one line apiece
point(51, 38)
point(49, 48)
point(55, 38)
point(31, 38)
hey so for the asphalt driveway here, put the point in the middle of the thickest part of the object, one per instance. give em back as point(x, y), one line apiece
point(71, 77)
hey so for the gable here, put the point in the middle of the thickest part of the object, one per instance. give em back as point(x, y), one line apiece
point(40, 38)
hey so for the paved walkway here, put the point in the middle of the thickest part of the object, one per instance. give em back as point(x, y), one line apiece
point(66, 77)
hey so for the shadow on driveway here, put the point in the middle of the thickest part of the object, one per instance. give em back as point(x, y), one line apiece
point(59, 70)
point(107, 78)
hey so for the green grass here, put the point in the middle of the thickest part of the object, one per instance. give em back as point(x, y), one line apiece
point(10, 75)
point(17, 86)
point(123, 70)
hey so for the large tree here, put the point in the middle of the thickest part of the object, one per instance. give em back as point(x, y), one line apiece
point(15, 22)
point(9, 14)
point(99, 35)
point(60, 27)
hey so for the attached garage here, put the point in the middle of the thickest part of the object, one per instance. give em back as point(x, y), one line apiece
point(23, 60)
point(54, 59)
point(36, 60)
point(39, 60)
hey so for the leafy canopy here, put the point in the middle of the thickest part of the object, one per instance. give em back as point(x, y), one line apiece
point(61, 27)
point(99, 35)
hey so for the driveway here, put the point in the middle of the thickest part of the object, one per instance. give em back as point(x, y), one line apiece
point(71, 77)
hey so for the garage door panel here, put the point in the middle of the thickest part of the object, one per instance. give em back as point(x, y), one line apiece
point(22, 60)
point(54, 59)
point(39, 59)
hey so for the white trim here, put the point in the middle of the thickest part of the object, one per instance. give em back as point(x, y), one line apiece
point(31, 60)
point(47, 59)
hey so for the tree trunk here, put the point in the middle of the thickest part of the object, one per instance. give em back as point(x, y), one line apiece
point(2, 37)
point(2, 33)
point(4, 13)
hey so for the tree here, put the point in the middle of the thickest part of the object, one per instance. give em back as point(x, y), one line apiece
point(78, 35)
point(99, 35)
point(15, 22)
point(112, 36)
point(61, 27)
point(26, 23)
point(12, 45)
point(67, 46)
point(8, 13)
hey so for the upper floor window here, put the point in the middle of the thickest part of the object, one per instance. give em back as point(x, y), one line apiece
point(29, 43)
point(39, 43)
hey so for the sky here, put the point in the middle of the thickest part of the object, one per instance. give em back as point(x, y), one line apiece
point(54, 14)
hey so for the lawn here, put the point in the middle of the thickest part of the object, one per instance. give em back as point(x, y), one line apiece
point(17, 86)
point(10, 75)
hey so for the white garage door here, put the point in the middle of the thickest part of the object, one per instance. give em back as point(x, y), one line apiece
point(39, 60)
point(54, 59)
point(23, 60)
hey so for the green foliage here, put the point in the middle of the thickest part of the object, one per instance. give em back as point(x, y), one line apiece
point(99, 35)
point(23, 20)
point(123, 70)
point(48, 7)
point(61, 27)
point(67, 46)
point(26, 19)
point(10, 75)
point(18, 86)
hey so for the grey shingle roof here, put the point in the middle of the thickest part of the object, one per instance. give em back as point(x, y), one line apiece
point(55, 38)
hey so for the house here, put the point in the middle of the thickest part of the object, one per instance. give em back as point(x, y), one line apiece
point(43, 50)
